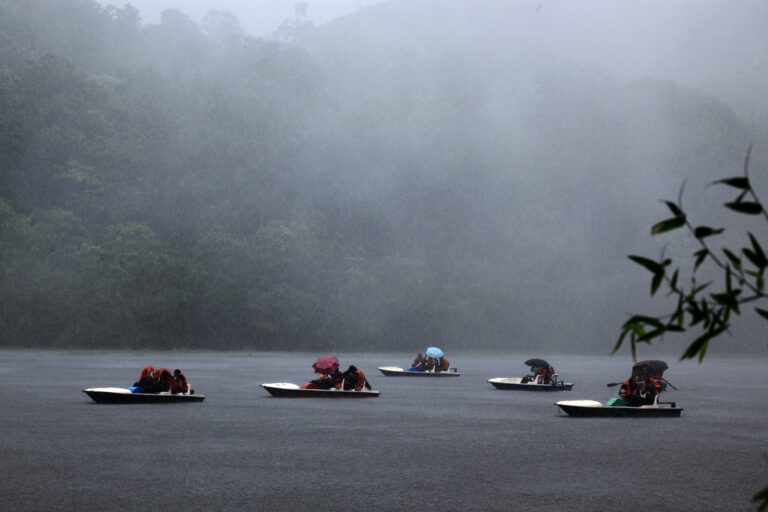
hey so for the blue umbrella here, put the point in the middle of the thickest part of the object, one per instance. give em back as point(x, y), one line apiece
point(434, 352)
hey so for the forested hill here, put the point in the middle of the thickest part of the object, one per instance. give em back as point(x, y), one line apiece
point(184, 185)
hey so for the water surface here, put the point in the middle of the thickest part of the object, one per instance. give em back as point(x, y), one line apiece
point(431, 444)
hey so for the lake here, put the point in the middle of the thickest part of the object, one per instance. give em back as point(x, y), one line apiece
point(432, 444)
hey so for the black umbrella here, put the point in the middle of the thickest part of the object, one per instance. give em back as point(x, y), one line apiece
point(649, 367)
point(537, 362)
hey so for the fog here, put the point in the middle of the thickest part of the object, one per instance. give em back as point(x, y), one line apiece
point(259, 18)
point(389, 175)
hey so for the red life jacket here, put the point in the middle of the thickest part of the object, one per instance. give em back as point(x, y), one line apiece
point(627, 389)
point(147, 372)
point(323, 382)
point(338, 379)
point(444, 364)
point(163, 375)
point(652, 386)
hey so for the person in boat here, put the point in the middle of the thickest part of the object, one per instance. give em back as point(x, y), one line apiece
point(442, 365)
point(638, 392)
point(418, 364)
point(323, 382)
point(337, 378)
point(146, 378)
point(326, 381)
point(179, 383)
point(161, 383)
point(355, 379)
point(546, 373)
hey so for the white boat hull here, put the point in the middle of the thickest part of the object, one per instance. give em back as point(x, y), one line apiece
point(396, 371)
point(125, 396)
point(516, 383)
point(594, 409)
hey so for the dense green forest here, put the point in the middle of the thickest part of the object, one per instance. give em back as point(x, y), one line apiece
point(185, 185)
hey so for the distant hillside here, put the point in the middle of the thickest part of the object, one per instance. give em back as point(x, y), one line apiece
point(416, 173)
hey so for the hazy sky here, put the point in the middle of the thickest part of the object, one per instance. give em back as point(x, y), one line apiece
point(258, 17)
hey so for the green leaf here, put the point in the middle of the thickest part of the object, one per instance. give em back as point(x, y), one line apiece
point(705, 231)
point(701, 255)
point(763, 313)
point(736, 262)
point(673, 281)
point(697, 314)
point(746, 207)
point(700, 288)
point(761, 496)
point(656, 283)
point(737, 182)
point(754, 258)
point(759, 279)
point(676, 211)
point(654, 267)
point(699, 345)
point(647, 337)
point(668, 225)
point(679, 317)
point(729, 299)
point(620, 340)
point(637, 321)
point(762, 262)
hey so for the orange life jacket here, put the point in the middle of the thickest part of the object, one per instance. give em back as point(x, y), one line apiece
point(179, 383)
point(360, 382)
point(444, 364)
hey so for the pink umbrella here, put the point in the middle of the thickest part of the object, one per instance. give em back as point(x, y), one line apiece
point(326, 364)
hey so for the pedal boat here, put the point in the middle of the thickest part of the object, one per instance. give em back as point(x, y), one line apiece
point(594, 409)
point(517, 384)
point(395, 371)
point(126, 396)
point(290, 390)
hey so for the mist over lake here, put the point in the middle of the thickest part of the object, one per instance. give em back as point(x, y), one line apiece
point(463, 175)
